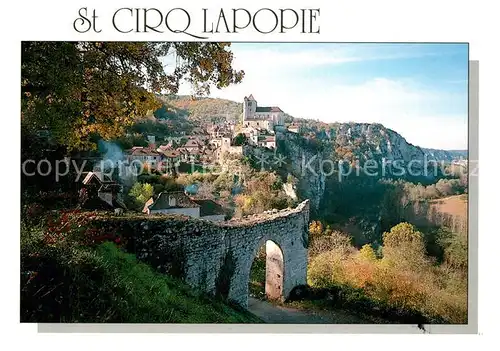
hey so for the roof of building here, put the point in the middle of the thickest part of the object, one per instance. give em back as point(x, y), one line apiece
point(171, 153)
point(251, 97)
point(268, 109)
point(100, 176)
point(143, 151)
point(110, 187)
point(165, 147)
point(209, 208)
point(193, 143)
point(162, 202)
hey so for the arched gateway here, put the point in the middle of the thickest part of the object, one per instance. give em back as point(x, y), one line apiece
point(216, 257)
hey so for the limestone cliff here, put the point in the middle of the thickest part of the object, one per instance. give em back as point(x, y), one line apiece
point(311, 156)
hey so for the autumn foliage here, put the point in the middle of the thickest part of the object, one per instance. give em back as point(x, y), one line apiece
point(404, 277)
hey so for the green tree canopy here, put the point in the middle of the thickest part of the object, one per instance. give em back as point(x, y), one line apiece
point(140, 193)
point(82, 91)
point(404, 246)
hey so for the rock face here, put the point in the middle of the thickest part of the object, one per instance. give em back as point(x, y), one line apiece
point(304, 163)
point(311, 159)
point(374, 141)
point(216, 257)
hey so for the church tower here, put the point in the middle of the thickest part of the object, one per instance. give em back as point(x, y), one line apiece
point(249, 107)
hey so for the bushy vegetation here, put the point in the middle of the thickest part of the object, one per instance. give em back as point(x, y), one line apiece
point(399, 275)
point(262, 191)
point(257, 281)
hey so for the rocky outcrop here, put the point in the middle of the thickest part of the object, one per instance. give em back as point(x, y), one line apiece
point(304, 163)
point(311, 159)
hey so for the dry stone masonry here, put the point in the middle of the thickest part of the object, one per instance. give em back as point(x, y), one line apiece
point(216, 257)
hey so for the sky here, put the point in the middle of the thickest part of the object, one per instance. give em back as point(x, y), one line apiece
point(418, 90)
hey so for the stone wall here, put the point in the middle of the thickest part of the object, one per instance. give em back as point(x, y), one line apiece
point(188, 211)
point(216, 257)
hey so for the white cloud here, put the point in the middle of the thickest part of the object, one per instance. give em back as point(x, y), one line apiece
point(291, 56)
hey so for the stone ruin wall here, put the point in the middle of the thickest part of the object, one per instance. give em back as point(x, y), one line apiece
point(216, 257)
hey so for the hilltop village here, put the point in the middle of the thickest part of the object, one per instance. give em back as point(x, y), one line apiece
point(210, 142)
point(209, 146)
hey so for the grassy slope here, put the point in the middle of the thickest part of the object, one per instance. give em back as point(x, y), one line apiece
point(105, 284)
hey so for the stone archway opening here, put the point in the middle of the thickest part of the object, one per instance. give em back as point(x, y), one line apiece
point(266, 273)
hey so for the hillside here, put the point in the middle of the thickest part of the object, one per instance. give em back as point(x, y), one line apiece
point(63, 282)
point(356, 145)
point(350, 140)
point(205, 109)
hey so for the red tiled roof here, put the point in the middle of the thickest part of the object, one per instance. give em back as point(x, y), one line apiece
point(268, 109)
point(142, 151)
point(171, 153)
point(192, 143)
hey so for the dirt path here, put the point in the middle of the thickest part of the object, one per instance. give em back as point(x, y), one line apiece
point(270, 313)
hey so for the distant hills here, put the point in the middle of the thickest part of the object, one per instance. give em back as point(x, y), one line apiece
point(446, 155)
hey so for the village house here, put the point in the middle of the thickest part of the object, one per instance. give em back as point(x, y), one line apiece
point(193, 144)
point(179, 203)
point(199, 138)
point(216, 142)
point(264, 117)
point(294, 128)
point(268, 141)
point(211, 211)
point(170, 159)
point(165, 147)
point(227, 147)
point(259, 137)
point(173, 139)
point(144, 155)
point(218, 131)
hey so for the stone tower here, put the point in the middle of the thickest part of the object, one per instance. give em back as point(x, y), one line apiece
point(249, 107)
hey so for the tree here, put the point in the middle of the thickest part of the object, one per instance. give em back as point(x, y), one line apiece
point(315, 229)
point(239, 139)
point(367, 253)
point(83, 91)
point(404, 246)
point(140, 193)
